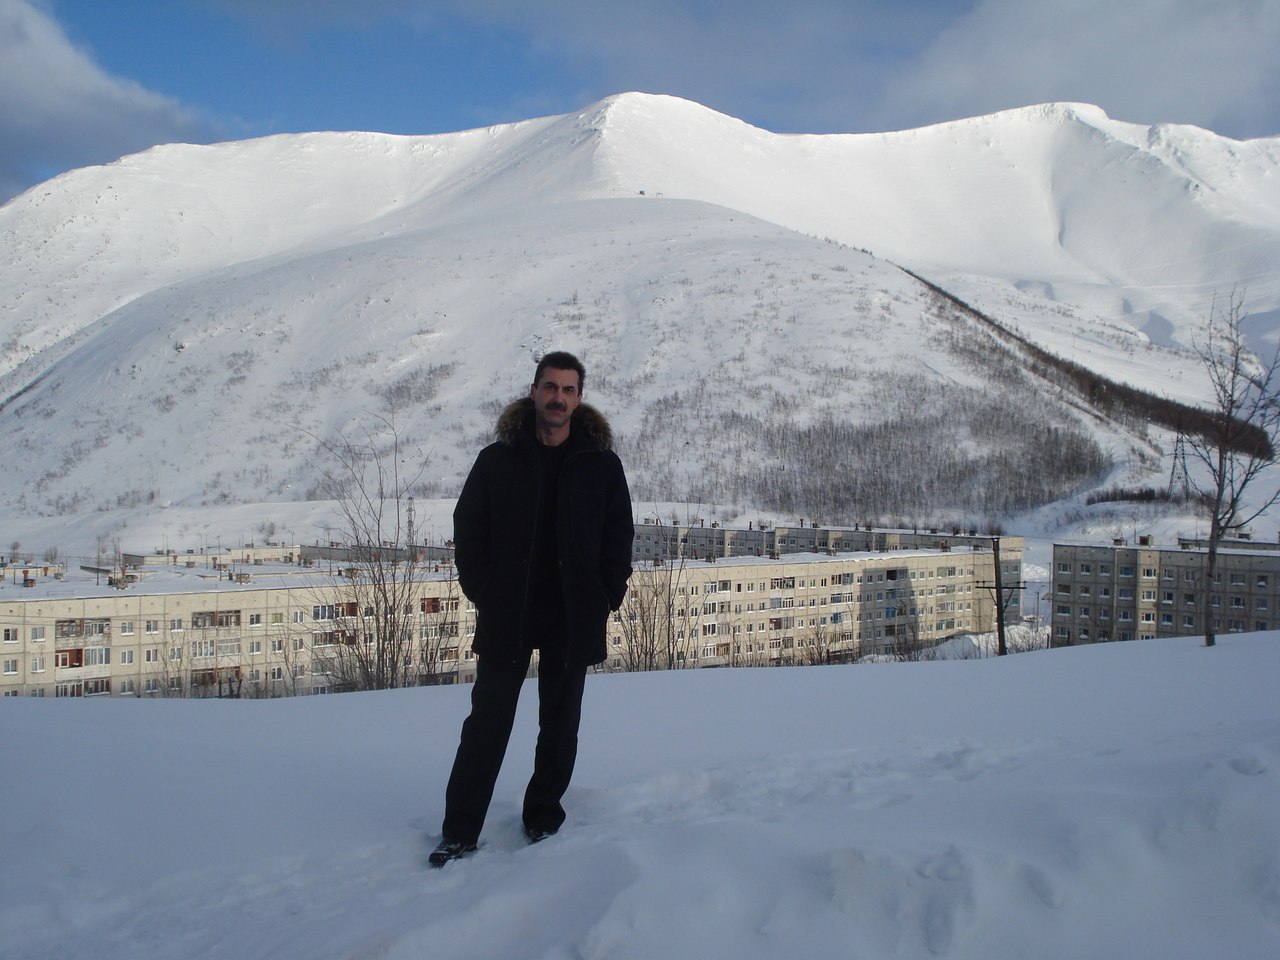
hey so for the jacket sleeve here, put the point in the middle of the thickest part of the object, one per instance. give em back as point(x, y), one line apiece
point(619, 531)
point(471, 518)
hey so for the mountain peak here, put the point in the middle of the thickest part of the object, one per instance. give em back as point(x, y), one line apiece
point(306, 278)
point(659, 113)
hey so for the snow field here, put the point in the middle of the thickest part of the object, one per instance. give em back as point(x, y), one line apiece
point(1105, 801)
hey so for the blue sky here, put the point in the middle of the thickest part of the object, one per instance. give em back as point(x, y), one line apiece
point(86, 81)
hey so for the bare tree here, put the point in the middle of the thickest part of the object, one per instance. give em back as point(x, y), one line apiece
point(646, 616)
point(816, 643)
point(658, 619)
point(908, 641)
point(1239, 442)
point(439, 636)
point(371, 621)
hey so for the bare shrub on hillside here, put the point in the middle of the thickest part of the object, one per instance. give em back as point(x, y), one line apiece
point(414, 388)
point(928, 451)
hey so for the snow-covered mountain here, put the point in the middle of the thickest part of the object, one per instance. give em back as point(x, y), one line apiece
point(185, 325)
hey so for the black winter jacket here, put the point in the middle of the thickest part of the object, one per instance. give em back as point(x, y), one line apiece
point(496, 522)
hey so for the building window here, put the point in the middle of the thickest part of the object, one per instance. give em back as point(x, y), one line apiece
point(11, 666)
point(126, 628)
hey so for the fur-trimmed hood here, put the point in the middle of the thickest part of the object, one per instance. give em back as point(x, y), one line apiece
point(589, 425)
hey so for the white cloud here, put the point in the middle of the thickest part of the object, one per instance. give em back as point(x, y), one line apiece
point(824, 65)
point(59, 109)
point(828, 65)
point(803, 65)
point(1208, 62)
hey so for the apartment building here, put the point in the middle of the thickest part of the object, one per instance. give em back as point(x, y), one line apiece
point(808, 608)
point(1124, 592)
point(658, 539)
point(253, 626)
point(201, 628)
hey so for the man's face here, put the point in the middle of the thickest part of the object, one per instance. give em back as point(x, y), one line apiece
point(555, 397)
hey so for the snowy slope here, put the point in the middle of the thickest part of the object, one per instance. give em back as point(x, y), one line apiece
point(1109, 801)
point(1128, 219)
point(185, 325)
point(1056, 194)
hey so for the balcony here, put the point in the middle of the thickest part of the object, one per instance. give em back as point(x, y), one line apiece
point(74, 633)
point(95, 672)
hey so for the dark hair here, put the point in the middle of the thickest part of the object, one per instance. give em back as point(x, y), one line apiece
point(559, 360)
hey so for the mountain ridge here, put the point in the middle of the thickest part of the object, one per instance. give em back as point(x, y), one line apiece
point(183, 326)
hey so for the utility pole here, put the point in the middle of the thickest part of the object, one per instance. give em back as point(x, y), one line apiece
point(998, 591)
point(1002, 649)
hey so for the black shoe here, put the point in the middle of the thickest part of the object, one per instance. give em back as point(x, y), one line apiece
point(537, 834)
point(447, 850)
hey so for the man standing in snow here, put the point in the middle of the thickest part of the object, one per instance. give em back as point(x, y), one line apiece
point(542, 536)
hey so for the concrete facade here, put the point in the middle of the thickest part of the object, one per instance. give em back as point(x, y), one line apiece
point(247, 625)
point(1124, 592)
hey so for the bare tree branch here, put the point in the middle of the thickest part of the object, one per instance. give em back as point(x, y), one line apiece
point(1240, 443)
point(382, 631)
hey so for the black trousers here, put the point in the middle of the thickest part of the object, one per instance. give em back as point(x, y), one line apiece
point(487, 730)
